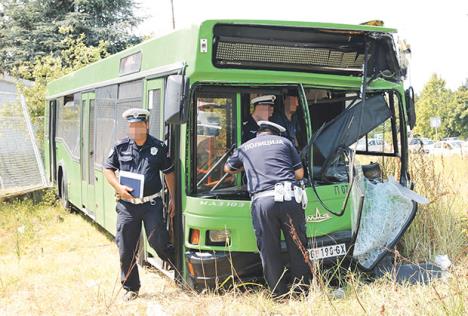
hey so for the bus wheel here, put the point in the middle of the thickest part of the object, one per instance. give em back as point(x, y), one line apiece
point(64, 194)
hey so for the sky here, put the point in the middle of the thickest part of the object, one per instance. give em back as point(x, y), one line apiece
point(437, 33)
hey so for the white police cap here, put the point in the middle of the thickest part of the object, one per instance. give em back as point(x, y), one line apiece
point(136, 115)
point(270, 125)
point(264, 99)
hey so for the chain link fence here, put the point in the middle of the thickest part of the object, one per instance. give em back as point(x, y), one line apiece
point(21, 165)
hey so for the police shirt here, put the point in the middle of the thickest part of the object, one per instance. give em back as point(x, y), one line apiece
point(267, 160)
point(291, 126)
point(249, 129)
point(148, 160)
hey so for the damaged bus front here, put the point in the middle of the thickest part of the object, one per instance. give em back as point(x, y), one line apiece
point(351, 131)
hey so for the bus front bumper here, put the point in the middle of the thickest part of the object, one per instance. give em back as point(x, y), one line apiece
point(208, 269)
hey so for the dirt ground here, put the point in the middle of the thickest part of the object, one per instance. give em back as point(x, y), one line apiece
point(56, 263)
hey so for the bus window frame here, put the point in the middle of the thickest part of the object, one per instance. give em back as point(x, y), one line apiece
point(397, 150)
point(236, 90)
point(224, 93)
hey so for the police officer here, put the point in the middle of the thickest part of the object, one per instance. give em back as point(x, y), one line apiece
point(272, 165)
point(263, 109)
point(287, 116)
point(142, 154)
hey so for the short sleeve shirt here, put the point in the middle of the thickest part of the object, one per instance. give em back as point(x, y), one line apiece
point(148, 160)
point(290, 126)
point(267, 160)
point(249, 129)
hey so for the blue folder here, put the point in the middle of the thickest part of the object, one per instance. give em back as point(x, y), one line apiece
point(133, 180)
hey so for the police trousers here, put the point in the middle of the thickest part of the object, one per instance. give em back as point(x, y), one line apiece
point(129, 222)
point(269, 219)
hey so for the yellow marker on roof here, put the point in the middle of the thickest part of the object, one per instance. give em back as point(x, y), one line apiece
point(374, 23)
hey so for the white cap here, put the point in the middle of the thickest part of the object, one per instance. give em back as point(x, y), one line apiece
point(264, 99)
point(136, 115)
point(271, 125)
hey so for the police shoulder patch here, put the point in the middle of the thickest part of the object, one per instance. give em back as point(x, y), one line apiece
point(154, 151)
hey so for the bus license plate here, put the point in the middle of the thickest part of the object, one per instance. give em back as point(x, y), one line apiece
point(327, 251)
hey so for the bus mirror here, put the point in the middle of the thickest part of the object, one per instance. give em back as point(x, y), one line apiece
point(174, 100)
point(410, 107)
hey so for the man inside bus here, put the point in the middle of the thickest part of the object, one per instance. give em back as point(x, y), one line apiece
point(271, 161)
point(145, 155)
point(263, 109)
point(287, 116)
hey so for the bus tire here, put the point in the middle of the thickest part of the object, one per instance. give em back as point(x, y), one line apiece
point(63, 193)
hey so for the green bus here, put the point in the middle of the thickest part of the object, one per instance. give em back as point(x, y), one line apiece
point(197, 84)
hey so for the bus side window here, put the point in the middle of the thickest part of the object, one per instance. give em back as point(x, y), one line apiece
point(215, 134)
point(154, 104)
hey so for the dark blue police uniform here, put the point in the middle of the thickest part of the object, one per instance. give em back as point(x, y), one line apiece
point(249, 129)
point(291, 126)
point(148, 160)
point(268, 160)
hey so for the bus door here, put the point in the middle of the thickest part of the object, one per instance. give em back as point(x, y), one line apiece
point(154, 99)
point(52, 149)
point(88, 101)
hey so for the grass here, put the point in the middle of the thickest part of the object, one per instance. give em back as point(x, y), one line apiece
point(54, 263)
point(440, 227)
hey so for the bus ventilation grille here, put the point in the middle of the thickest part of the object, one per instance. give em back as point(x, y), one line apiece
point(285, 56)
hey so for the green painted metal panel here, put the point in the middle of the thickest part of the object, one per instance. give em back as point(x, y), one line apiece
point(71, 167)
point(206, 214)
point(184, 46)
point(235, 215)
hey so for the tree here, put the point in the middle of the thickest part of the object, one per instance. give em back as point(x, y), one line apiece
point(458, 117)
point(435, 101)
point(43, 69)
point(30, 28)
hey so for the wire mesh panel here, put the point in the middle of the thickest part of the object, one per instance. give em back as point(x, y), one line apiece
point(21, 167)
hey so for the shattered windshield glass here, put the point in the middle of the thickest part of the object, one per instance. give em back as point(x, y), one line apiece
point(387, 211)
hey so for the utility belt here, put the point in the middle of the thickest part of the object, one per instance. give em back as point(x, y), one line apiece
point(149, 198)
point(285, 191)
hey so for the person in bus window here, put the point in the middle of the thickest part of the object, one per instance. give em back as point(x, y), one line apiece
point(140, 154)
point(269, 160)
point(263, 109)
point(287, 117)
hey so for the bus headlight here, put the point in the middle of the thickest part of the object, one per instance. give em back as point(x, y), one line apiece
point(219, 236)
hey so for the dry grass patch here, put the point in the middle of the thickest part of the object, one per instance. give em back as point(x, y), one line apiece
point(55, 263)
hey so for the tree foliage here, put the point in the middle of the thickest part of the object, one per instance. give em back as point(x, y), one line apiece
point(438, 101)
point(459, 116)
point(31, 28)
point(74, 55)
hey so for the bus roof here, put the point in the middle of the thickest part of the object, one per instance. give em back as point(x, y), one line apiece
point(172, 51)
point(318, 25)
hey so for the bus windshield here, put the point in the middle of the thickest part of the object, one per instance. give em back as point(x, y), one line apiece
point(222, 113)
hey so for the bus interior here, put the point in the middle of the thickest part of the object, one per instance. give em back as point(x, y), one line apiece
point(218, 128)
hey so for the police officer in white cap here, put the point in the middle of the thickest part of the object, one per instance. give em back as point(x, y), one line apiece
point(263, 110)
point(272, 167)
point(141, 154)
